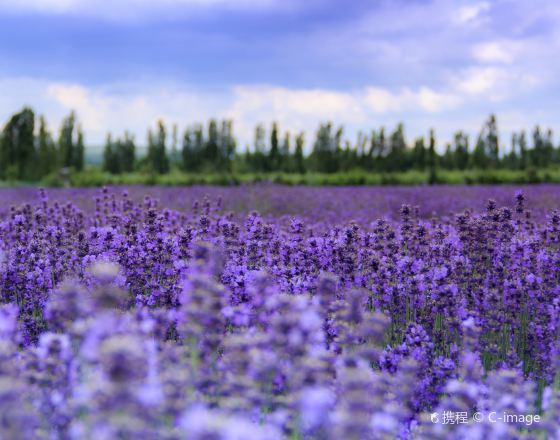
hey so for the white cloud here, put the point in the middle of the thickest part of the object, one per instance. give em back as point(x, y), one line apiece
point(493, 83)
point(494, 52)
point(111, 109)
point(296, 109)
point(476, 81)
point(303, 101)
point(304, 109)
point(381, 100)
point(137, 107)
point(469, 13)
point(433, 101)
point(424, 99)
point(92, 109)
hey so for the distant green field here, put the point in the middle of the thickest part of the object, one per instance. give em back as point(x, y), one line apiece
point(95, 177)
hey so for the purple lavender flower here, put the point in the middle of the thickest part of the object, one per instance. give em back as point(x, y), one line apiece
point(132, 318)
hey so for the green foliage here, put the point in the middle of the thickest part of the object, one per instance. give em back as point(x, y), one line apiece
point(158, 162)
point(274, 153)
point(419, 154)
point(299, 161)
point(92, 176)
point(215, 152)
point(70, 144)
point(27, 157)
point(17, 152)
point(193, 149)
point(326, 149)
point(380, 157)
point(397, 157)
point(174, 158)
point(119, 156)
point(432, 157)
point(285, 154)
point(79, 150)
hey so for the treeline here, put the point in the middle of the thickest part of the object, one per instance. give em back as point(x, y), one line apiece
point(29, 153)
point(213, 149)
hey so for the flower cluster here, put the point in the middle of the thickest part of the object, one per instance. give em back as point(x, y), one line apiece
point(129, 320)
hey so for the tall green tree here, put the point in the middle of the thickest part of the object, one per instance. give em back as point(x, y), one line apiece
point(258, 159)
point(110, 158)
point(419, 154)
point(432, 158)
point(486, 153)
point(285, 153)
point(17, 152)
point(360, 159)
point(46, 150)
point(461, 153)
point(211, 147)
point(538, 153)
point(274, 152)
point(396, 157)
point(226, 146)
point(191, 161)
point(299, 160)
point(151, 157)
point(511, 159)
point(492, 140)
point(193, 146)
point(163, 160)
point(157, 154)
point(523, 156)
point(447, 161)
point(127, 153)
point(479, 156)
point(79, 150)
point(325, 148)
point(174, 159)
point(548, 148)
point(378, 150)
point(66, 145)
point(119, 156)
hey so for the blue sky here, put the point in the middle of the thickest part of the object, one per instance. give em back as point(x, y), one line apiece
point(122, 64)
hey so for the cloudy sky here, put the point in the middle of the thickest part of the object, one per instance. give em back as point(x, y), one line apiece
point(122, 64)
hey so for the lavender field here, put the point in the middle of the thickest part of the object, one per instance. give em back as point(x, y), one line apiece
point(268, 312)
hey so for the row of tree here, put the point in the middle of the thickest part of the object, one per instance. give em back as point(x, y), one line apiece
point(27, 153)
point(214, 149)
